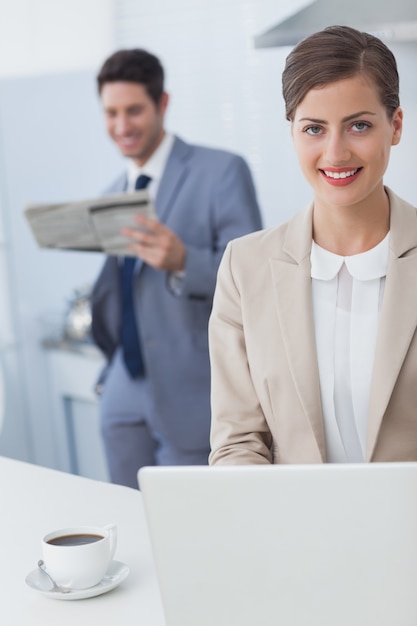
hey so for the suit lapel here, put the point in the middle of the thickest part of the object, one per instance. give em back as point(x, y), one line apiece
point(398, 319)
point(292, 290)
point(175, 173)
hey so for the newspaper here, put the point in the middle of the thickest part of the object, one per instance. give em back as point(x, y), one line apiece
point(90, 225)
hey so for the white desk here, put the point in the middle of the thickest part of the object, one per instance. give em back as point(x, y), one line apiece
point(35, 500)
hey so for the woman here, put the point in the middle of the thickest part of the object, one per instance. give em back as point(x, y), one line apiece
point(312, 334)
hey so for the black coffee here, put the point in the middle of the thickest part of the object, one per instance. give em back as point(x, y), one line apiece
point(74, 540)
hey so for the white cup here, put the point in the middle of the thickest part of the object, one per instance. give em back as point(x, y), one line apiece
point(78, 557)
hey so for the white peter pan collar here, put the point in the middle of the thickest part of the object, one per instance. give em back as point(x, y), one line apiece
point(367, 265)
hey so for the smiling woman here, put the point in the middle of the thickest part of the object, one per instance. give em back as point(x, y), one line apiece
point(343, 136)
point(312, 335)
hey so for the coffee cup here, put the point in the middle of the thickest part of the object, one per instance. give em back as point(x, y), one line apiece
point(79, 556)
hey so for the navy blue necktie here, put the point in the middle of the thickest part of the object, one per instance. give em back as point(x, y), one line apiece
point(129, 335)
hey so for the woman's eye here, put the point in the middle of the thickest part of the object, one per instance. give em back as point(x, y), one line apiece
point(360, 126)
point(313, 130)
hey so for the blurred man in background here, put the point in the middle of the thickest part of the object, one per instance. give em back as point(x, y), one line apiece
point(150, 312)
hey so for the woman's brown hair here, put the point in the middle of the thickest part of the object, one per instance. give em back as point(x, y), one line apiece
point(337, 53)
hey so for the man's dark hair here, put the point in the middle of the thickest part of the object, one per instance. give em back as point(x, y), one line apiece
point(134, 66)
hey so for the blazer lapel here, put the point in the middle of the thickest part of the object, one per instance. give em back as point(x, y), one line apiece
point(173, 177)
point(175, 173)
point(398, 319)
point(292, 289)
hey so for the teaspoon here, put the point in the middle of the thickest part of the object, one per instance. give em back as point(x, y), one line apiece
point(55, 587)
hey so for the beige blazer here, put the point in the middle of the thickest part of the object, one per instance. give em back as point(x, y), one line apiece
point(265, 396)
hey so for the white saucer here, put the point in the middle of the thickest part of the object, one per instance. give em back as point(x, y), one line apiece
point(116, 573)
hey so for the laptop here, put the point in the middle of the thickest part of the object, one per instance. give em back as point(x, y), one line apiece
point(285, 545)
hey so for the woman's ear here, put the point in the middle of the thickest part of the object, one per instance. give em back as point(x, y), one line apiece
point(397, 126)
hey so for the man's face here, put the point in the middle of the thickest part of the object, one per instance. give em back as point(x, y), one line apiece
point(133, 120)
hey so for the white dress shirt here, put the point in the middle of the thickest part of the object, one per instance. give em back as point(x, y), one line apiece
point(154, 167)
point(347, 298)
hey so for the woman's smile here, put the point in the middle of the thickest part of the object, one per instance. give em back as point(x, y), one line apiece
point(342, 176)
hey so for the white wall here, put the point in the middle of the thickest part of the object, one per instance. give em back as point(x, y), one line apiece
point(43, 36)
point(50, 140)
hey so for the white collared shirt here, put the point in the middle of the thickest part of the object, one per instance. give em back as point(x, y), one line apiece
point(154, 166)
point(347, 298)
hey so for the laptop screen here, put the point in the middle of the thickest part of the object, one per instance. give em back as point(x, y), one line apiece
point(292, 545)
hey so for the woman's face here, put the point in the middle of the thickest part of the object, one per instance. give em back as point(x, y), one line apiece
point(343, 136)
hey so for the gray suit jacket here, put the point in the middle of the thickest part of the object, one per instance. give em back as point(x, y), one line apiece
point(207, 198)
point(267, 405)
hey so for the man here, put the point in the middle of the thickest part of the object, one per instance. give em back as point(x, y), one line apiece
point(157, 412)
